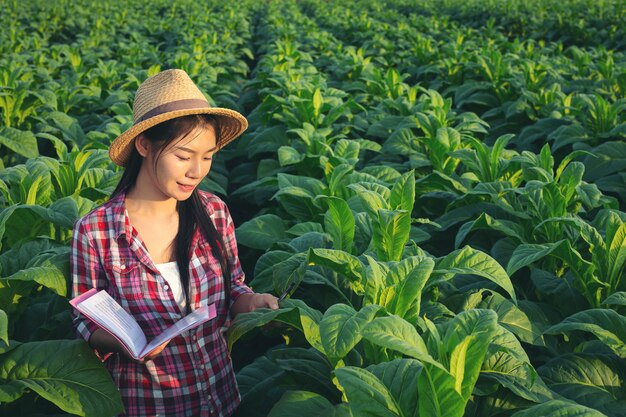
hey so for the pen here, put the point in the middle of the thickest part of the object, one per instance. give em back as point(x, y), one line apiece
point(285, 294)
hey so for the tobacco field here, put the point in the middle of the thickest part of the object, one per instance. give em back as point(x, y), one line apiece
point(443, 181)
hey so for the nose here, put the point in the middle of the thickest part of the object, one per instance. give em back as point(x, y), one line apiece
point(195, 169)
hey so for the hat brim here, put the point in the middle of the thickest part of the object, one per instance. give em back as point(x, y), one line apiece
point(232, 124)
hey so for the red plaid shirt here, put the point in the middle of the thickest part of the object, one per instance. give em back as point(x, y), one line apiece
point(193, 376)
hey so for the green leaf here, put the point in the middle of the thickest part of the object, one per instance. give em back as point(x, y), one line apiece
point(289, 156)
point(513, 318)
point(507, 363)
point(592, 380)
point(485, 221)
point(559, 408)
point(467, 338)
point(4, 327)
point(397, 334)
point(309, 366)
point(21, 142)
point(65, 372)
point(341, 327)
point(437, 394)
point(318, 101)
point(49, 276)
point(307, 404)
point(372, 201)
point(263, 280)
point(408, 291)
point(403, 193)
point(400, 377)
point(607, 325)
point(339, 261)
point(261, 384)
point(261, 232)
point(616, 299)
point(339, 223)
point(245, 322)
point(367, 396)
point(471, 261)
point(391, 230)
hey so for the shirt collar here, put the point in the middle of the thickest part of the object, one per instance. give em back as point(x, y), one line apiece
point(121, 223)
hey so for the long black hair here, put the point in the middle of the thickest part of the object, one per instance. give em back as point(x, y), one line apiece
point(191, 212)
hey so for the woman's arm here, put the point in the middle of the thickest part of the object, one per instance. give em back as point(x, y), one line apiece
point(251, 301)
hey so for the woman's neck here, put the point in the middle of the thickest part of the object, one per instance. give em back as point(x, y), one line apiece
point(144, 204)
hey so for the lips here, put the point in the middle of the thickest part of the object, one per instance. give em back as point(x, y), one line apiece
point(186, 187)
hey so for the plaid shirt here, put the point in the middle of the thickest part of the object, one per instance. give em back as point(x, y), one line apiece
point(193, 376)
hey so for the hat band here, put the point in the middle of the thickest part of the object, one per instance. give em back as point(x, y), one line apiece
point(186, 104)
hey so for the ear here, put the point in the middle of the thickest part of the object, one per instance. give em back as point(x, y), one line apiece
point(142, 144)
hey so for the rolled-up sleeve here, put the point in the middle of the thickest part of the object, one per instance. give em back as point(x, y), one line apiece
point(86, 272)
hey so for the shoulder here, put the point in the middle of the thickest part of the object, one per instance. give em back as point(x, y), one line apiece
point(101, 217)
point(216, 209)
point(212, 202)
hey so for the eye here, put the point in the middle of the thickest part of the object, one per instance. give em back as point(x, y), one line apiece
point(208, 158)
point(182, 158)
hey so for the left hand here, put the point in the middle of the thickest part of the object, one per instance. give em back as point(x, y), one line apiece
point(250, 302)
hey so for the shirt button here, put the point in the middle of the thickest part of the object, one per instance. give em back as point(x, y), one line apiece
point(166, 287)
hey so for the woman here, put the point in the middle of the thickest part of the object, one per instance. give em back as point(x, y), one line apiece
point(162, 248)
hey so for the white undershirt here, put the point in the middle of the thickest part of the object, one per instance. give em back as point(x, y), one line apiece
point(171, 274)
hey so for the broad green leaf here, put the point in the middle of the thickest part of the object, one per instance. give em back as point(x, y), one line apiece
point(513, 318)
point(307, 404)
point(397, 334)
point(338, 261)
point(308, 364)
point(245, 322)
point(485, 221)
point(339, 223)
point(437, 394)
point(391, 231)
point(467, 338)
point(374, 281)
point(367, 396)
point(289, 271)
point(400, 377)
point(289, 156)
point(617, 254)
point(49, 276)
point(261, 384)
point(372, 201)
point(341, 327)
point(261, 232)
point(309, 322)
point(526, 254)
point(317, 102)
point(592, 380)
point(471, 261)
point(64, 372)
point(507, 363)
point(263, 280)
point(559, 408)
point(408, 291)
point(306, 227)
point(4, 327)
point(607, 325)
point(617, 299)
point(606, 159)
point(298, 202)
point(403, 193)
point(21, 142)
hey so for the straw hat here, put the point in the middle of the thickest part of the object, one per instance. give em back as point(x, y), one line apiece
point(167, 95)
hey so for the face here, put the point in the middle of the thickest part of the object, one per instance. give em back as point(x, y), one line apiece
point(180, 166)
